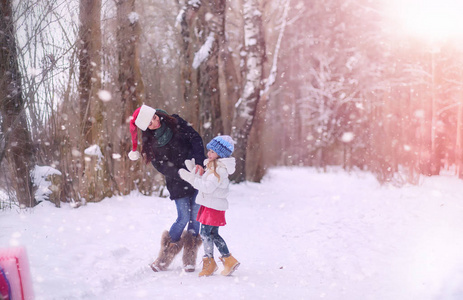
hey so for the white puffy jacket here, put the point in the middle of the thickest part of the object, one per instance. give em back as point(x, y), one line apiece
point(212, 191)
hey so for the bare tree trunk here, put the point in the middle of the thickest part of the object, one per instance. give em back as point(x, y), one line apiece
point(425, 154)
point(459, 137)
point(132, 92)
point(256, 168)
point(190, 23)
point(96, 183)
point(434, 159)
point(18, 142)
point(89, 63)
point(209, 92)
point(203, 36)
point(230, 79)
point(246, 106)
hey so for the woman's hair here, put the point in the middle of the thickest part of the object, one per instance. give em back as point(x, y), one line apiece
point(167, 119)
point(148, 139)
point(213, 166)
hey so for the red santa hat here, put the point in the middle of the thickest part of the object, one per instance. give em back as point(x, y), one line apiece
point(141, 118)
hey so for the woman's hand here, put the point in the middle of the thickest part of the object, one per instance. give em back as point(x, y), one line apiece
point(193, 167)
point(199, 170)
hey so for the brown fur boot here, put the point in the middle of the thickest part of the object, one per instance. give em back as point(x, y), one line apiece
point(167, 252)
point(191, 244)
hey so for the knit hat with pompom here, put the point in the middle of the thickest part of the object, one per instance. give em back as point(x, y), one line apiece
point(223, 145)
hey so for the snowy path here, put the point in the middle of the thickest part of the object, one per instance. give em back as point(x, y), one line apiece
point(298, 235)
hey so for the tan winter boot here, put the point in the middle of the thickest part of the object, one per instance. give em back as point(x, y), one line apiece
point(230, 264)
point(167, 252)
point(209, 267)
point(191, 244)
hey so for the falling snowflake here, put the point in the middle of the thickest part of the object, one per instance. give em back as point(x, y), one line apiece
point(104, 95)
point(133, 17)
point(347, 137)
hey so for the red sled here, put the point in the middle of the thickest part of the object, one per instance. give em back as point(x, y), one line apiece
point(17, 280)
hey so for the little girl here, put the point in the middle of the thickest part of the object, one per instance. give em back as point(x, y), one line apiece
point(212, 196)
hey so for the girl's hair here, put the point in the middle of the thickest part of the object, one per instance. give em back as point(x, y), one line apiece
point(213, 166)
point(148, 139)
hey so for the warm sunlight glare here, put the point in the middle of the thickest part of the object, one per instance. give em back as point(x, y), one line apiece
point(431, 19)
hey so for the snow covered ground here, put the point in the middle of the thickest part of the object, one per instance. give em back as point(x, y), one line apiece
point(300, 234)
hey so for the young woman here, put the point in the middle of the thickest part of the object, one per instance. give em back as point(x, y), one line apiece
point(213, 192)
point(167, 141)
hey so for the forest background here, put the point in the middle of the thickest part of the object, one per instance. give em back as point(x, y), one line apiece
point(296, 83)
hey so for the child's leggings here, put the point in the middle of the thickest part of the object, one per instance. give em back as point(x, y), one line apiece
point(210, 236)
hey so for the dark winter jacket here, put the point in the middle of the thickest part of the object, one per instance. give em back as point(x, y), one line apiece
point(186, 143)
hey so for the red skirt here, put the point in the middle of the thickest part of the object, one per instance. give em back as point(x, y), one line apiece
point(212, 217)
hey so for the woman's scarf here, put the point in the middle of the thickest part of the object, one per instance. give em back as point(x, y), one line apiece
point(162, 135)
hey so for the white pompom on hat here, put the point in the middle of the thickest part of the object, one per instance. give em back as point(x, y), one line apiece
point(141, 118)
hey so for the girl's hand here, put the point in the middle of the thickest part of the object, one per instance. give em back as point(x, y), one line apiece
point(190, 165)
point(199, 170)
point(193, 167)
